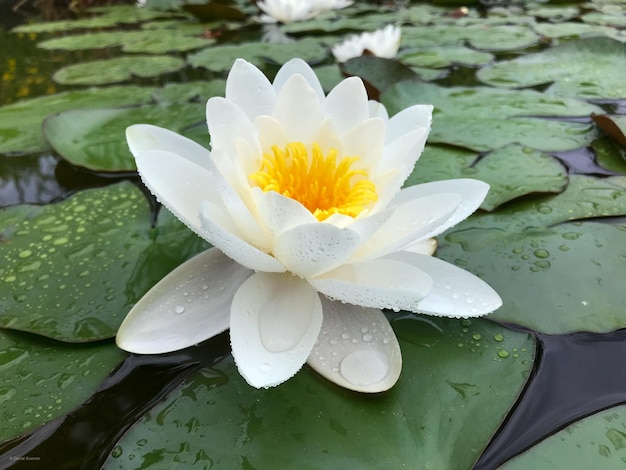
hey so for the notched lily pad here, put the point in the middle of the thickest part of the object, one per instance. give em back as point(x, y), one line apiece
point(444, 56)
point(458, 381)
point(47, 379)
point(72, 270)
point(587, 68)
point(96, 139)
point(512, 171)
point(462, 119)
point(119, 69)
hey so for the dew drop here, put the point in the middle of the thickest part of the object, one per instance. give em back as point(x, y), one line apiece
point(179, 309)
point(503, 353)
point(367, 337)
point(25, 253)
point(265, 368)
point(364, 367)
point(499, 338)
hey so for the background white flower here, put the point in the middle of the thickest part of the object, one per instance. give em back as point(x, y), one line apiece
point(383, 42)
point(288, 11)
point(301, 198)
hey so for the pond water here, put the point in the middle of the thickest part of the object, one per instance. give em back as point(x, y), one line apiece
point(537, 384)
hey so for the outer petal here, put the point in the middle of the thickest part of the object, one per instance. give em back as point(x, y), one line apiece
point(472, 193)
point(249, 88)
point(228, 125)
point(456, 293)
point(298, 109)
point(347, 104)
point(377, 109)
point(299, 66)
point(366, 140)
point(177, 183)
point(143, 137)
point(357, 348)
point(409, 222)
point(403, 152)
point(275, 321)
point(189, 305)
point(427, 246)
point(221, 231)
point(381, 283)
point(312, 249)
point(409, 119)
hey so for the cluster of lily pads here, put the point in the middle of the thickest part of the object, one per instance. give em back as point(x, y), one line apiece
point(514, 91)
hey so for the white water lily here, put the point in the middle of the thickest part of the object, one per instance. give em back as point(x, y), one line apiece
point(383, 42)
point(300, 197)
point(288, 11)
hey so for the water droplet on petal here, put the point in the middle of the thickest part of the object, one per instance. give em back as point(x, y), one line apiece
point(265, 368)
point(179, 309)
point(364, 367)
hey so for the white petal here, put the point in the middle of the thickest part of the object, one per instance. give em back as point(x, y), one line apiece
point(381, 283)
point(377, 109)
point(409, 222)
point(142, 137)
point(366, 141)
point(249, 88)
point(311, 249)
point(356, 349)
point(456, 293)
point(299, 66)
point(178, 183)
point(222, 233)
point(425, 247)
point(278, 213)
point(347, 104)
point(298, 109)
point(189, 305)
point(472, 193)
point(409, 119)
point(228, 124)
point(271, 132)
point(275, 320)
point(402, 154)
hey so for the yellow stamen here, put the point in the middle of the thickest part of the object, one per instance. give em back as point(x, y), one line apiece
point(320, 183)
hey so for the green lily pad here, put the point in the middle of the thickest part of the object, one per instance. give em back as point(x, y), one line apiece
point(511, 171)
point(598, 441)
point(148, 41)
point(588, 68)
point(481, 36)
point(552, 278)
point(96, 139)
point(20, 123)
point(444, 56)
point(571, 30)
point(118, 14)
point(119, 69)
point(47, 379)
point(72, 270)
point(220, 58)
point(199, 91)
point(461, 117)
point(458, 381)
point(605, 19)
point(554, 13)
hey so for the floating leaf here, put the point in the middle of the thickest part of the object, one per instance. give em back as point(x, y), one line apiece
point(609, 154)
point(588, 68)
point(20, 123)
point(220, 58)
point(571, 29)
point(598, 441)
point(444, 56)
point(96, 139)
point(72, 270)
point(552, 278)
point(47, 379)
point(461, 117)
point(511, 171)
point(119, 69)
point(148, 41)
point(459, 379)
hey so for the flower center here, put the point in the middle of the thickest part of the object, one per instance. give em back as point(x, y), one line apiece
point(317, 181)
